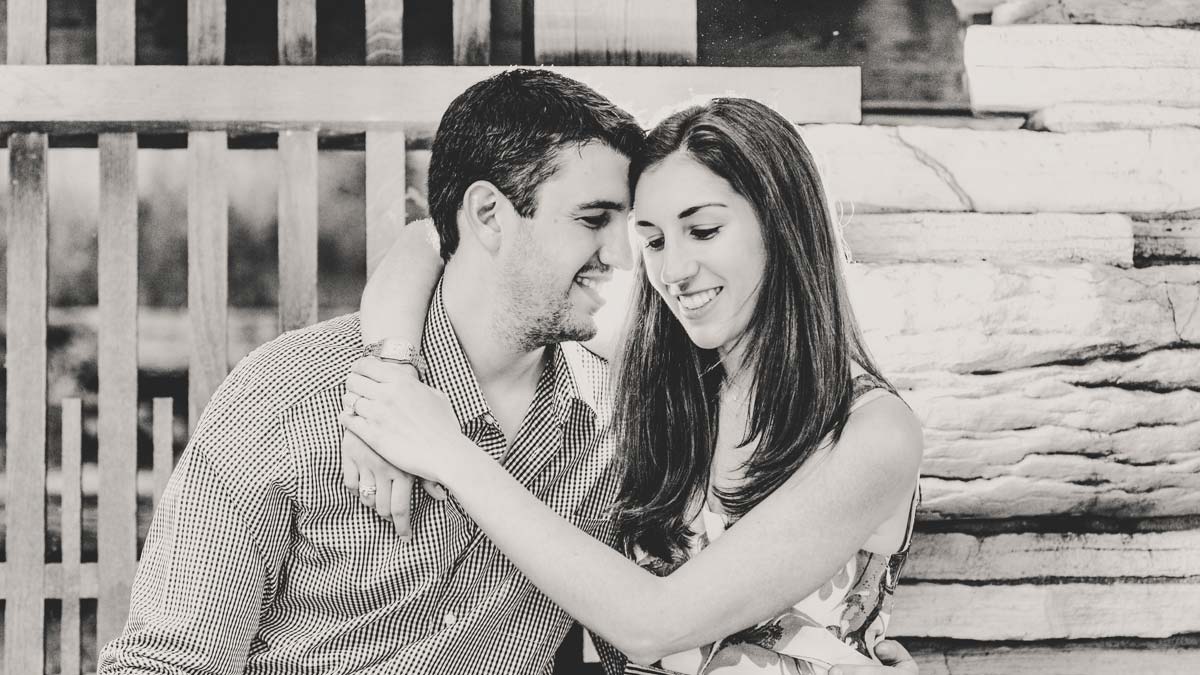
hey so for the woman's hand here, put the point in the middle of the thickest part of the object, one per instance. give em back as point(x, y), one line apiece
point(896, 661)
point(410, 425)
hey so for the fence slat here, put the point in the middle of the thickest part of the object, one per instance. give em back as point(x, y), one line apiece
point(27, 32)
point(25, 360)
point(163, 421)
point(72, 524)
point(472, 32)
point(554, 32)
point(385, 192)
point(385, 32)
point(208, 267)
point(116, 22)
point(297, 32)
point(117, 367)
point(662, 33)
point(206, 32)
point(297, 229)
point(600, 33)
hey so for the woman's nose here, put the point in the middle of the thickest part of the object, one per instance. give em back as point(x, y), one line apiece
point(678, 265)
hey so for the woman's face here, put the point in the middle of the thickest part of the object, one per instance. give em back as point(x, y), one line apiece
point(702, 247)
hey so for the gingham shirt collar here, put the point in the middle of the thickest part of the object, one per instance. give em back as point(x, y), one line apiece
point(450, 371)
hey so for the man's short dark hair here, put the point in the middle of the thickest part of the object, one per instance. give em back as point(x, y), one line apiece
point(507, 130)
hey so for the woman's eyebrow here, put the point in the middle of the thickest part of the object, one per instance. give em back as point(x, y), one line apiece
point(691, 210)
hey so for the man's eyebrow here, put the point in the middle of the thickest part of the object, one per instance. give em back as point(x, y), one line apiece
point(691, 210)
point(602, 204)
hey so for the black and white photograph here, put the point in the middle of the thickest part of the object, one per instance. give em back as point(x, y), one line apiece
point(600, 337)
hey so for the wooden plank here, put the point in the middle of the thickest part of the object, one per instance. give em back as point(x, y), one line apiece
point(611, 32)
point(55, 584)
point(116, 29)
point(206, 32)
point(601, 33)
point(163, 421)
point(1025, 556)
point(27, 43)
point(662, 33)
point(472, 32)
point(385, 32)
point(297, 229)
point(361, 97)
point(554, 39)
point(297, 32)
point(25, 361)
point(208, 268)
point(958, 237)
point(1045, 612)
point(1059, 658)
point(117, 367)
point(385, 192)
point(72, 436)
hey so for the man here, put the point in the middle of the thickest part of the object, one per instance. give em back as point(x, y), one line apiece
point(260, 561)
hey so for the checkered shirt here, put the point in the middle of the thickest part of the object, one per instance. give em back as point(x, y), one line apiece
point(259, 560)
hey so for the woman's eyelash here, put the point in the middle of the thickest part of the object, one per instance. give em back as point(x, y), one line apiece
point(654, 244)
point(703, 233)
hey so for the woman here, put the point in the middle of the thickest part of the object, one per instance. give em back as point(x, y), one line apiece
point(745, 396)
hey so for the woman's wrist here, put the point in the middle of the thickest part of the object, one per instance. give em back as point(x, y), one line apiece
point(462, 464)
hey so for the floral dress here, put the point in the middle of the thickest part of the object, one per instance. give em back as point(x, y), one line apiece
point(840, 623)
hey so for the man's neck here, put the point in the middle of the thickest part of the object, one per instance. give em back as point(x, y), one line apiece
point(500, 363)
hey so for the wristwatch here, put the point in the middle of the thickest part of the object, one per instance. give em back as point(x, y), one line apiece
point(395, 350)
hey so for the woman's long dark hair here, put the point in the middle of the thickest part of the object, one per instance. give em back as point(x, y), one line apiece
point(799, 344)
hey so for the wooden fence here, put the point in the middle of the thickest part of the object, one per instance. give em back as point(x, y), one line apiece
point(299, 101)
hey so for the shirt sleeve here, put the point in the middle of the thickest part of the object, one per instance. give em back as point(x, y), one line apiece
point(610, 657)
point(207, 570)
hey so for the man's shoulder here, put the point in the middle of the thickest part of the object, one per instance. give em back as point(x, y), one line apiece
point(292, 368)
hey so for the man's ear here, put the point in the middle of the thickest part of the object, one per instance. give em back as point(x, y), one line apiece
point(483, 210)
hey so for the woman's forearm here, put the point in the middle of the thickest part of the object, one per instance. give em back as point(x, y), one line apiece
point(601, 588)
point(396, 298)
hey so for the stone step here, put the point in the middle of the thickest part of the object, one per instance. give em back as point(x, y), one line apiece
point(1178, 13)
point(1026, 68)
point(955, 237)
point(1082, 117)
point(879, 169)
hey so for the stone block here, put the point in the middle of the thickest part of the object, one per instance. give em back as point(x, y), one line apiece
point(1177, 13)
point(882, 169)
point(1082, 117)
point(973, 317)
point(1106, 437)
point(955, 237)
point(1166, 240)
point(1026, 68)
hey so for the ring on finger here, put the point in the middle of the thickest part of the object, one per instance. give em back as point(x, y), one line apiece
point(367, 491)
point(354, 402)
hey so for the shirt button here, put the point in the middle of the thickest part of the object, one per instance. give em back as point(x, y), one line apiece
point(449, 619)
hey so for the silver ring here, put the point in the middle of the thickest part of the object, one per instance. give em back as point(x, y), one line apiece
point(367, 490)
point(354, 402)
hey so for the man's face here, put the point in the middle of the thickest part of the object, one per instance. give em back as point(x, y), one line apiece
point(554, 262)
